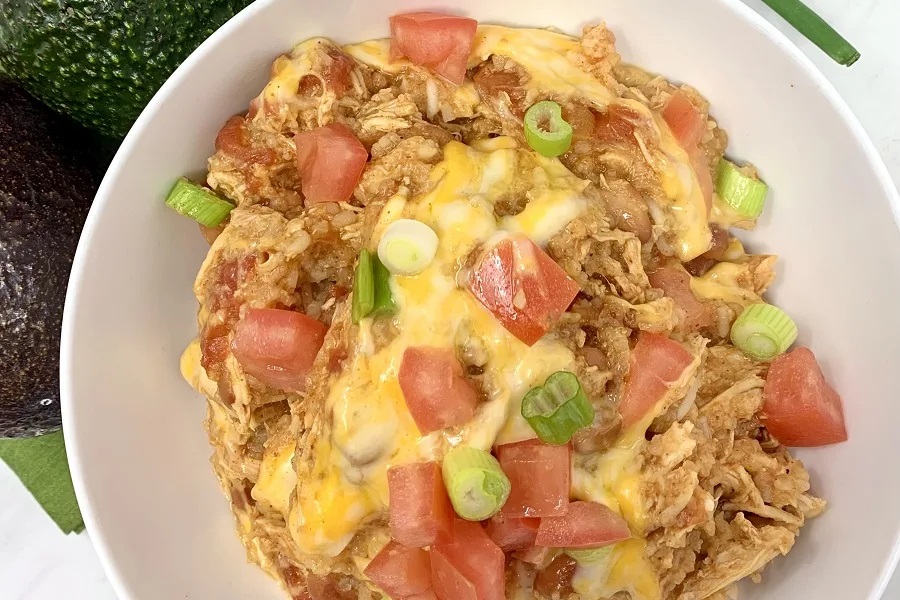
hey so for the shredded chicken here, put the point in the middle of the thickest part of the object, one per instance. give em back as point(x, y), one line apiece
point(721, 499)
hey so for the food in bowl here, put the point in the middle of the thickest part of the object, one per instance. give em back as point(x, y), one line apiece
point(473, 324)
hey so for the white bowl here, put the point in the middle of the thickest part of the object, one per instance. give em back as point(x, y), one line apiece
point(139, 455)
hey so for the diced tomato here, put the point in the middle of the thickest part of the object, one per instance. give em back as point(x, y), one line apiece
point(401, 571)
point(523, 287)
point(540, 477)
point(426, 595)
point(436, 392)
point(278, 346)
point(421, 513)
point(330, 160)
point(469, 567)
point(656, 363)
point(585, 525)
point(676, 283)
point(536, 555)
point(337, 71)
point(800, 408)
point(440, 42)
point(683, 119)
point(617, 124)
point(511, 533)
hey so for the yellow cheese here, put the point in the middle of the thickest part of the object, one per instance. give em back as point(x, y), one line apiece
point(372, 428)
point(721, 283)
point(626, 568)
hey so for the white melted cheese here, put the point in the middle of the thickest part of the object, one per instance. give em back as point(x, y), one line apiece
point(372, 428)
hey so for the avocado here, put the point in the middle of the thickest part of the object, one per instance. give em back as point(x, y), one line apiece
point(50, 168)
point(99, 61)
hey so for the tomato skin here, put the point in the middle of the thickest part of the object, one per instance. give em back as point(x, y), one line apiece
point(436, 392)
point(656, 363)
point(437, 41)
point(800, 408)
point(676, 283)
point(468, 567)
point(421, 513)
point(278, 346)
point(525, 289)
point(683, 119)
point(511, 533)
point(401, 571)
point(584, 525)
point(330, 160)
point(540, 476)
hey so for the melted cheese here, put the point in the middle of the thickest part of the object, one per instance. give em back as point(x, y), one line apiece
point(724, 215)
point(372, 428)
point(625, 569)
point(721, 283)
point(546, 56)
point(277, 478)
point(613, 478)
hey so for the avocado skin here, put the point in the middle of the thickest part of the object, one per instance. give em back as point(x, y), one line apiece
point(50, 168)
point(101, 61)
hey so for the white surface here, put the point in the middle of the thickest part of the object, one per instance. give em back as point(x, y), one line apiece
point(36, 561)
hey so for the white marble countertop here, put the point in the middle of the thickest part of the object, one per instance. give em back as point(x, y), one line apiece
point(37, 562)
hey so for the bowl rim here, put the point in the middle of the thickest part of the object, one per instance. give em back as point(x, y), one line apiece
point(103, 196)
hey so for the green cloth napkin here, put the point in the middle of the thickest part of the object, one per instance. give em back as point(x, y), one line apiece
point(41, 463)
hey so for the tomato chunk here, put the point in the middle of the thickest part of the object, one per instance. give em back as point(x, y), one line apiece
point(330, 160)
point(421, 513)
point(683, 119)
point(676, 283)
point(523, 287)
point(585, 525)
point(656, 363)
point(469, 567)
point(278, 346)
point(512, 534)
point(800, 408)
point(400, 571)
point(436, 392)
point(439, 42)
point(540, 476)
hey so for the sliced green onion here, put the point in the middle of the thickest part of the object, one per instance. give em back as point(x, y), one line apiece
point(384, 301)
point(363, 288)
point(477, 486)
point(763, 331)
point(407, 246)
point(546, 131)
point(557, 409)
point(745, 194)
point(589, 555)
point(197, 202)
point(816, 30)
